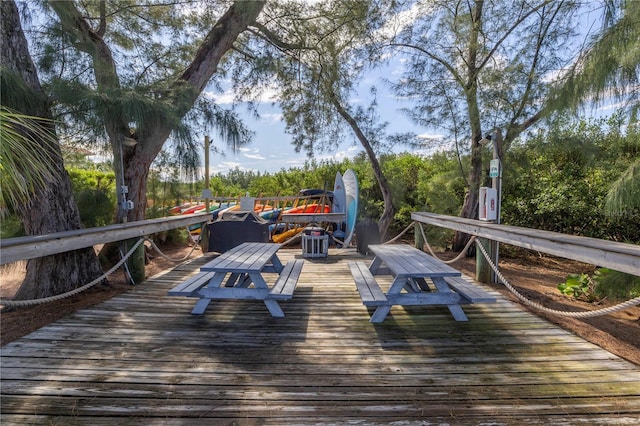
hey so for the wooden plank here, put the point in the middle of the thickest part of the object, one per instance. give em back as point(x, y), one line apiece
point(369, 290)
point(313, 218)
point(192, 284)
point(246, 257)
point(469, 290)
point(287, 280)
point(140, 358)
point(405, 260)
point(33, 246)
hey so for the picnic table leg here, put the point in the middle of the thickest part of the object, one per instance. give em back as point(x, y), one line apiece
point(233, 278)
point(200, 307)
point(276, 263)
point(422, 284)
point(203, 302)
point(456, 310)
point(272, 305)
point(274, 308)
point(244, 281)
point(375, 265)
point(380, 314)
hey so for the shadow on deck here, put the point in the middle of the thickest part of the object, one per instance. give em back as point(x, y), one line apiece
point(142, 358)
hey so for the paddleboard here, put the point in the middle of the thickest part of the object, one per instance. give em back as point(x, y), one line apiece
point(351, 190)
point(339, 204)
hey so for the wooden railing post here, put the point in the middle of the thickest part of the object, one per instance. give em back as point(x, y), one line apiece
point(483, 270)
point(135, 263)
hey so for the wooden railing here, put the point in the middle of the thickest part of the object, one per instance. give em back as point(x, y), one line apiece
point(617, 256)
point(24, 248)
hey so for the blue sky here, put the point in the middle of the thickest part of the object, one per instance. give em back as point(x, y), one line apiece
point(271, 149)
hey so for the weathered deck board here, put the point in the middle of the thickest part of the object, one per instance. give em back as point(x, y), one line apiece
point(142, 357)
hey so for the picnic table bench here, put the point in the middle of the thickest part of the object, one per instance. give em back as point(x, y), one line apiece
point(410, 269)
point(237, 274)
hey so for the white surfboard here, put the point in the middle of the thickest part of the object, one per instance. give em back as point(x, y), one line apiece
point(339, 205)
point(339, 197)
point(351, 190)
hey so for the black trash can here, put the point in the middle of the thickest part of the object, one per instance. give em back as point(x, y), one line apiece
point(233, 229)
point(366, 233)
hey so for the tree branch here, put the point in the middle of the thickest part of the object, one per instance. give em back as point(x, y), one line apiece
point(436, 58)
point(102, 29)
point(217, 42)
point(272, 38)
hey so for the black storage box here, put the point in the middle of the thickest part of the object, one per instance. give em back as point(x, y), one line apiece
point(366, 233)
point(233, 229)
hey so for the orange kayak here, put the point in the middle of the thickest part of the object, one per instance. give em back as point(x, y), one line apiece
point(309, 208)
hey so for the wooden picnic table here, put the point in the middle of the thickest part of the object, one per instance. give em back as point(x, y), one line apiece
point(237, 274)
point(411, 268)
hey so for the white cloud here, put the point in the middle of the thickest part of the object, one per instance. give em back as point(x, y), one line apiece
point(253, 154)
point(430, 136)
point(228, 97)
point(225, 166)
point(271, 117)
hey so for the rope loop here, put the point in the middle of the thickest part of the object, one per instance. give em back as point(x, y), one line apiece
point(583, 314)
point(33, 302)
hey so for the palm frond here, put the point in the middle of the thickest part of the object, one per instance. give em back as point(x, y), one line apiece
point(26, 165)
point(609, 69)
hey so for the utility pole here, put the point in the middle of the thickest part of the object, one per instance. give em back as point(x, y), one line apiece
point(204, 231)
point(484, 273)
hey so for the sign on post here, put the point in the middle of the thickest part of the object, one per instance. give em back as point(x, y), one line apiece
point(494, 168)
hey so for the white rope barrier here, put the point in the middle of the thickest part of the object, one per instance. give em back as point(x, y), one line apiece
point(33, 302)
point(503, 280)
point(455, 259)
point(171, 259)
point(583, 314)
point(401, 234)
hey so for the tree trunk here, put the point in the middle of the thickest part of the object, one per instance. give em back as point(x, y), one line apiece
point(389, 211)
point(132, 163)
point(136, 161)
point(52, 209)
point(470, 205)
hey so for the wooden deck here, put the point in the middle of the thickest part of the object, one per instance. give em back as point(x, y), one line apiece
point(142, 358)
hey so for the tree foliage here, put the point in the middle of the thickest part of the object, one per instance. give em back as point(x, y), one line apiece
point(478, 66)
point(318, 53)
point(608, 69)
point(49, 206)
point(559, 179)
point(130, 71)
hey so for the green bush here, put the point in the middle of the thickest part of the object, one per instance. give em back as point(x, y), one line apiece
point(11, 226)
point(95, 195)
point(604, 283)
point(579, 286)
point(615, 285)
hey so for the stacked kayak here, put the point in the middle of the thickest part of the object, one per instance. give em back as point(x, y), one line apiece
point(281, 211)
